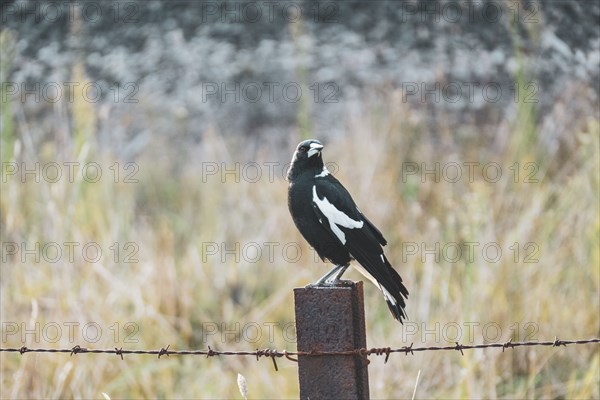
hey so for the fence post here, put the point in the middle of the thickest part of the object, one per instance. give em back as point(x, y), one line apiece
point(331, 319)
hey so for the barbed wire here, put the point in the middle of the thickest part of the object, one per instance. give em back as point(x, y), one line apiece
point(274, 354)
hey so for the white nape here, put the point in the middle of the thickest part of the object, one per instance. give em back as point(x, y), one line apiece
point(323, 173)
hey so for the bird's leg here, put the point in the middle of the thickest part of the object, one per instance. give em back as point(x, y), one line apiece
point(338, 274)
point(332, 276)
point(326, 278)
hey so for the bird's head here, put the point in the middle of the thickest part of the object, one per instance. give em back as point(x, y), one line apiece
point(307, 157)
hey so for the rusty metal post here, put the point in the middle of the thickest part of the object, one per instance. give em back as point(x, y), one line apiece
point(331, 319)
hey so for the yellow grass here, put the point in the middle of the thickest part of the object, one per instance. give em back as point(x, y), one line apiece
point(177, 292)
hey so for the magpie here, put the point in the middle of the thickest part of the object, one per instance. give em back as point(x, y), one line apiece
point(329, 220)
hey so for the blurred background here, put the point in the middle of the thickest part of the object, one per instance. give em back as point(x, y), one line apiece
point(143, 202)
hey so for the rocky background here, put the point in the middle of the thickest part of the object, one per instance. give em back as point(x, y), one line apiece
point(180, 59)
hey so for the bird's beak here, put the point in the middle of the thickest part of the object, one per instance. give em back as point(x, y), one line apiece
point(314, 149)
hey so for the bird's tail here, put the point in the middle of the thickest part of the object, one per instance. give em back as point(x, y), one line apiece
point(386, 278)
point(396, 298)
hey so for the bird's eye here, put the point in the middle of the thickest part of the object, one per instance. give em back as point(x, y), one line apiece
point(302, 149)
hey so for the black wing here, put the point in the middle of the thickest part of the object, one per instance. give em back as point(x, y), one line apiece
point(338, 213)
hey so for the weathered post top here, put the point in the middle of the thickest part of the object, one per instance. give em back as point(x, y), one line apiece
point(331, 318)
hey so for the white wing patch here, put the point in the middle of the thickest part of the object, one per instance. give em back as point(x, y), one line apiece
point(335, 217)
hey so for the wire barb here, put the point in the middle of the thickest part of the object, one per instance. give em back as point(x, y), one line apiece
point(558, 342)
point(380, 351)
point(459, 347)
point(409, 349)
point(119, 352)
point(78, 349)
point(269, 353)
point(211, 353)
point(163, 351)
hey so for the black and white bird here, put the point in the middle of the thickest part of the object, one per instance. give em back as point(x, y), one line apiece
point(332, 224)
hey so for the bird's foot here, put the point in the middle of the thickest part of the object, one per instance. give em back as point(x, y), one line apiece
point(332, 277)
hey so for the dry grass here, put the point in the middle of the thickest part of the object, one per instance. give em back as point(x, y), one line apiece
point(177, 291)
